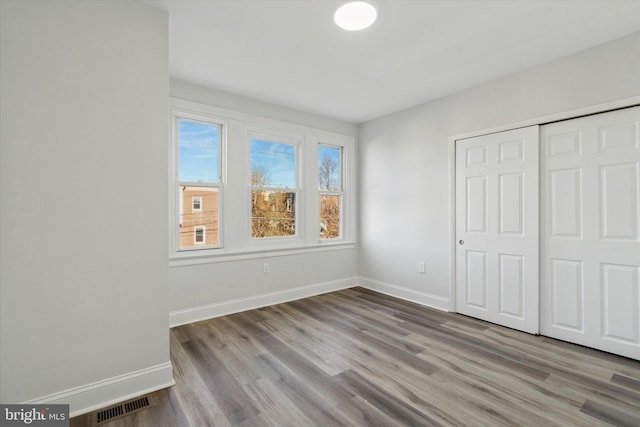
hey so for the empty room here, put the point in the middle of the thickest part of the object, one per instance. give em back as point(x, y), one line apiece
point(319, 213)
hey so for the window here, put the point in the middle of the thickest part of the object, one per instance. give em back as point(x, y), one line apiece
point(273, 188)
point(196, 203)
point(198, 183)
point(331, 192)
point(247, 187)
point(198, 235)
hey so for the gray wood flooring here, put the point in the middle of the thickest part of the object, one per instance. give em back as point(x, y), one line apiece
point(360, 358)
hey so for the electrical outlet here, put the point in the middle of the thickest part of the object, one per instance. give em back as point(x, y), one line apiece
point(266, 268)
point(422, 267)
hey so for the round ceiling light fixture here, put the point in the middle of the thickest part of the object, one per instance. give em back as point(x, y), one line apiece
point(355, 15)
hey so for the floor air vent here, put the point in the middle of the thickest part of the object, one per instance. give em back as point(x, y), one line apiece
point(121, 410)
point(134, 405)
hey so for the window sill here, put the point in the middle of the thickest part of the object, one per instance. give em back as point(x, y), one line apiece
point(211, 257)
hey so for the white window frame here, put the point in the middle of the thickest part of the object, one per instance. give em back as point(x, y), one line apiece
point(339, 192)
point(176, 115)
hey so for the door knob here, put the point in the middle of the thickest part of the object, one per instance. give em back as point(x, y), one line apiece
point(461, 242)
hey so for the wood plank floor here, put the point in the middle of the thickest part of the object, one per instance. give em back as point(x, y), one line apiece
point(360, 358)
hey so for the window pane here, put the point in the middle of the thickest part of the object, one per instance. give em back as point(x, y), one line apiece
point(330, 216)
point(273, 213)
point(194, 222)
point(273, 164)
point(329, 168)
point(197, 203)
point(199, 237)
point(198, 151)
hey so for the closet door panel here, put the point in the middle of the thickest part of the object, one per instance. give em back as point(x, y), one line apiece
point(497, 228)
point(590, 246)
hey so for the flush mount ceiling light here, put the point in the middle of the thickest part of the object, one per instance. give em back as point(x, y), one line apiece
point(355, 15)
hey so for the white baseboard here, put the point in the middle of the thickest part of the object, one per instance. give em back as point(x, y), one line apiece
point(209, 311)
point(107, 392)
point(421, 298)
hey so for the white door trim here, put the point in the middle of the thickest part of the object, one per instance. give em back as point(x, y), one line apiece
point(564, 115)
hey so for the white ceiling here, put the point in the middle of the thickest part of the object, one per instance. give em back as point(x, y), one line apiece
point(290, 52)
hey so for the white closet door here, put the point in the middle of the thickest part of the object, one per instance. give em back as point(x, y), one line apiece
point(590, 250)
point(497, 228)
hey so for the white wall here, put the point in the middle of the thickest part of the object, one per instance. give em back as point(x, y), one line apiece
point(193, 92)
point(83, 263)
point(227, 285)
point(404, 194)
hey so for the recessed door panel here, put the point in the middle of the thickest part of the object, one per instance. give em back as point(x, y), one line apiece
point(476, 280)
point(476, 204)
point(620, 302)
point(564, 144)
point(511, 284)
point(565, 203)
point(476, 156)
point(618, 136)
point(619, 204)
point(566, 293)
point(511, 150)
point(511, 203)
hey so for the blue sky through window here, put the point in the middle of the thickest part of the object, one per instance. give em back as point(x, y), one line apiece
point(278, 161)
point(198, 152)
point(332, 153)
